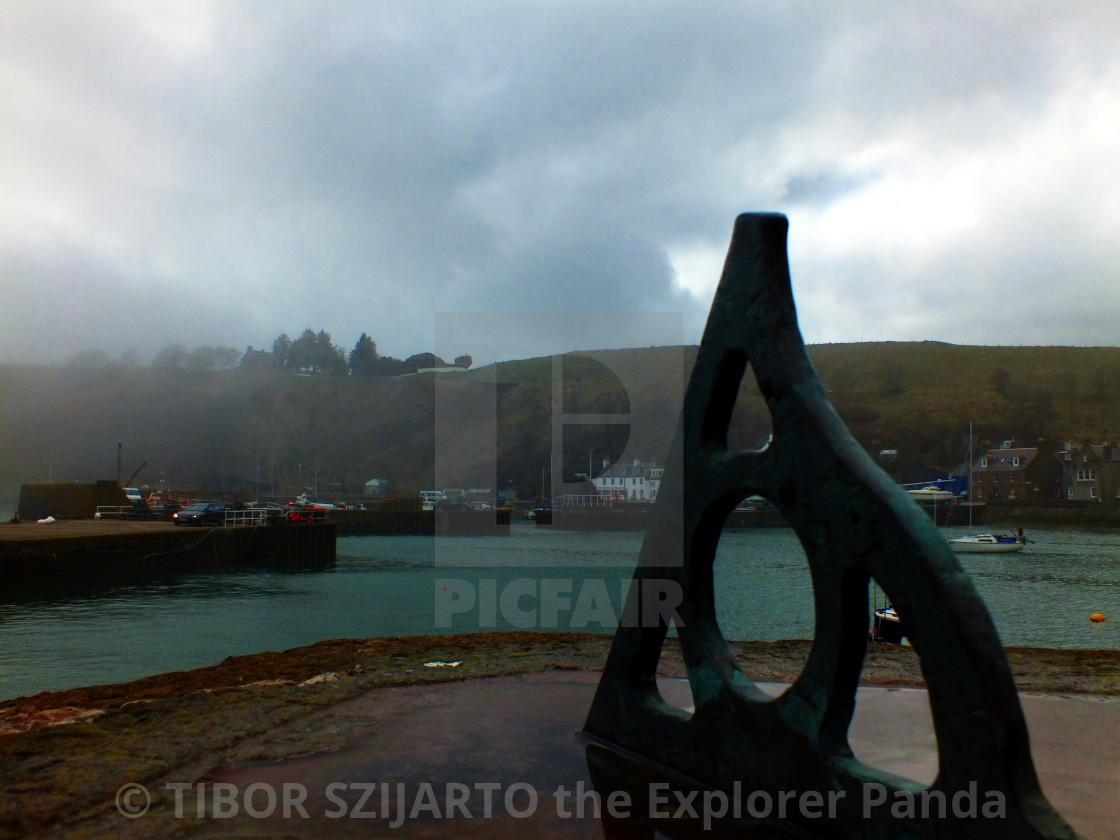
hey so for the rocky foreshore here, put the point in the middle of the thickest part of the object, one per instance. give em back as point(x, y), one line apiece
point(64, 754)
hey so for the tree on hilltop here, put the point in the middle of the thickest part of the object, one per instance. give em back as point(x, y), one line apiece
point(301, 354)
point(363, 358)
point(315, 353)
point(281, 350)
point(331, 359)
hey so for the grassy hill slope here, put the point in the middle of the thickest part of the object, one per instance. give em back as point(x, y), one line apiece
point(227, 429)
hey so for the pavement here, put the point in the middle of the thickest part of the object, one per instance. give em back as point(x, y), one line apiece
point(77, 528)
point(504, 757)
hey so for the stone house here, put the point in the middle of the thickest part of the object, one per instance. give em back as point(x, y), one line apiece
point(1090, 472)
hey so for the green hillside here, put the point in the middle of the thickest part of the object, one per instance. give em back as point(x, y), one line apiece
point(920, 397)
point(229, 429)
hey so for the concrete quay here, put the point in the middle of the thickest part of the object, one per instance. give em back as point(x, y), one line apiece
point(81, 549)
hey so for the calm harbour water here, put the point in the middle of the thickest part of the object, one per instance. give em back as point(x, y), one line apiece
point(111, 631)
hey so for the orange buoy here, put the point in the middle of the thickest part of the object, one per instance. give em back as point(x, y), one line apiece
point(1096, 617)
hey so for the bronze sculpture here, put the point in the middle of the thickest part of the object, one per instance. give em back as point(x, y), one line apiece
point(854, 525)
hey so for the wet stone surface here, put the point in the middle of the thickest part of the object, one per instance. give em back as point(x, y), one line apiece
point(388, 717)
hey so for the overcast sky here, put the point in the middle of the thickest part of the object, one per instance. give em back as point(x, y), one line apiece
point(219, 173)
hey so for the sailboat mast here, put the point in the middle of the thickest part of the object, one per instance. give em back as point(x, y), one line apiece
point(970, 500)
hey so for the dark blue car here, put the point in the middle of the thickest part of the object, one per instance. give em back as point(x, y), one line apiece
point(201, 513)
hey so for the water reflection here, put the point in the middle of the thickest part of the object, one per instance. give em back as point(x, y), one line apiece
point(147, 621)
point(183, 582)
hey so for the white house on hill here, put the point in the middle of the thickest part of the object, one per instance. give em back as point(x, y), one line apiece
point(635, 482)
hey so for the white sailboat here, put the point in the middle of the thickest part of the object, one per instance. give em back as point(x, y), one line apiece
point(987, 544)
point(984, 543)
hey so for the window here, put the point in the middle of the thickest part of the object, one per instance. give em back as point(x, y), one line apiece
point(983, 462)
point(1092, 492)
point(1086, 475)
point(1014, 462)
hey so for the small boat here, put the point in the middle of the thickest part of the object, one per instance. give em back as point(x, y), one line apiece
point(984, 543)
point(987, 544)
point(932, 493)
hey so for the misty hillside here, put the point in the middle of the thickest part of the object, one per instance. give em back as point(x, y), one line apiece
point(226, 429)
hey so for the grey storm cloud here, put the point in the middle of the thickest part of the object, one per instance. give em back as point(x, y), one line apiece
point(219, 173)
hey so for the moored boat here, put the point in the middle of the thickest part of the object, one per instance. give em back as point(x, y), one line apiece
point(932, 493)
point(984, 543)
point(987, 543)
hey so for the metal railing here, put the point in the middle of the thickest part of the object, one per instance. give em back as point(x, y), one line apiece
point(112, 511)
point(249, 517)
point(588, 501)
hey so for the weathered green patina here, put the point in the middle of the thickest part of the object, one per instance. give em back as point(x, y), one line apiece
point(854, 525)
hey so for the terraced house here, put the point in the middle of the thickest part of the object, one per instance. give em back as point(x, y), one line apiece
point(1012, 472)
point(1090, 472)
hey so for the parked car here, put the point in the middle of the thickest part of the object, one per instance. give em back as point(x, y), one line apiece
point(201, 513)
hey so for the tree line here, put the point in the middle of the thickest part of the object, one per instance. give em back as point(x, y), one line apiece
point(313, 352)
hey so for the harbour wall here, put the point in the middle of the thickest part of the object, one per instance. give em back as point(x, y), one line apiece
point(1064, 513)
point(68, 551)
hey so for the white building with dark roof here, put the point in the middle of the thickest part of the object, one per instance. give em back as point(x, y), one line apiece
point(634, 482)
